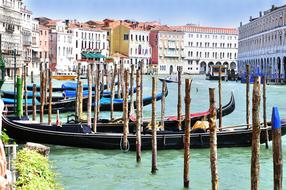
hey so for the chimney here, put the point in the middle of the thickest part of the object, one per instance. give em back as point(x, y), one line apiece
point(272, 7)
point(240, 24)
point(250, 18)
point(260, 13)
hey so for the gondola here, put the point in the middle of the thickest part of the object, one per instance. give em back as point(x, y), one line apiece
point(10, 95)
point(65, 86)
point(68, 105)
point(169, 79)
point(111, 137)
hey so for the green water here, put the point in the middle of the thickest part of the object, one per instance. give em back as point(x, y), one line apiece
point(80, 168)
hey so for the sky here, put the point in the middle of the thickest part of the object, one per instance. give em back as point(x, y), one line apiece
point(216, 13)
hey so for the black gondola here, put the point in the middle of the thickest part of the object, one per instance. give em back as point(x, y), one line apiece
point(68, 105)
point(81, 136)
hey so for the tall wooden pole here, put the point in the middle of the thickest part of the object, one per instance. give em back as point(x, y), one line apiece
point(125, 111)
point(32, 77)
point(77, 91)
point(187, 134)
point(138, 117)
point(25, 89)
point(163, 104)
point(95, 100)
point(247, 96)
point(213, 140)
point(264, 112)
point(220, 100)
point(46, 82)
point(154, 130)
point(50, 97)
point(131, 88)
point(255, 135)
point(112, 92)
point(80, 98)
point(34, 101)
point(277, 150)
point(179, 105)
point(141, 92)
point(119, 90)
point(98, 91)
point(89, 101)
point(42, 94)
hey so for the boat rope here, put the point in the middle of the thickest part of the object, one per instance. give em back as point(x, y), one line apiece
point(128, 145)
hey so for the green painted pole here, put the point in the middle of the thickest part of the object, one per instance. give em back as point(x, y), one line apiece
point(19, 97)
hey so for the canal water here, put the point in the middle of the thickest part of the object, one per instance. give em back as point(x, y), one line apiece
point(80, 168)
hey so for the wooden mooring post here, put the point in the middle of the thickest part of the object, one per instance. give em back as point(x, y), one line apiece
point(264, 112)
point(25, 89)
point(131, 88)
point(89, 101)
point(213, 139)
point(80, 98)
point(34, 102)
point(179, 105)
point(42, 94)
point(138, 117)
point(163, 104)
point(255, 135)
point(96, 82)
point(50, 97)
point(141, 92)
point(32, 76)
point(119, 90)
point(114, 74)
point(277, 149)
point(220, 100)
point(154, 128)
point(125, 146)
point(77, 91)
point(247, 96)
point(98, 90)
point(187, 133)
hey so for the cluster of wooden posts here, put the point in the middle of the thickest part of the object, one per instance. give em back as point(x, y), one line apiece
point(126, 79)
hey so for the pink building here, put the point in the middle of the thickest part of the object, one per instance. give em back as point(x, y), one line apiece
point(44, 44)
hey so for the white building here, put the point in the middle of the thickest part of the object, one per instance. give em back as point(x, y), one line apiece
point(139, 48)
point(207, 46)
point(88, 40)
point(35, 66)
point(61, 47)
point(26, 35)
point(167, 49)
point(262, 44)
point(10, 30)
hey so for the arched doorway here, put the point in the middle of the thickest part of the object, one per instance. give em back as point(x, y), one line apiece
point(218, 63)
point(279, 67)
point(171, 69)
point(209, 66)
point(225, 64)
point(203, 67)
point(233, 65)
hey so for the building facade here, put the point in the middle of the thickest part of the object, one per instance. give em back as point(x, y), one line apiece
point(132, 43)
point(207, 46)
point(262, 44)
point(88, 40)
point(61, 55)
point(44, 45)
point(167, 50)
point(10, 30)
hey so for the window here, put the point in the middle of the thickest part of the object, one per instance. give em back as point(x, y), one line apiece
point(125, 37)
point(131, 37)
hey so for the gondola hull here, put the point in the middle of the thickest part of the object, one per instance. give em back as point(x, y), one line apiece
point(81, 137)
